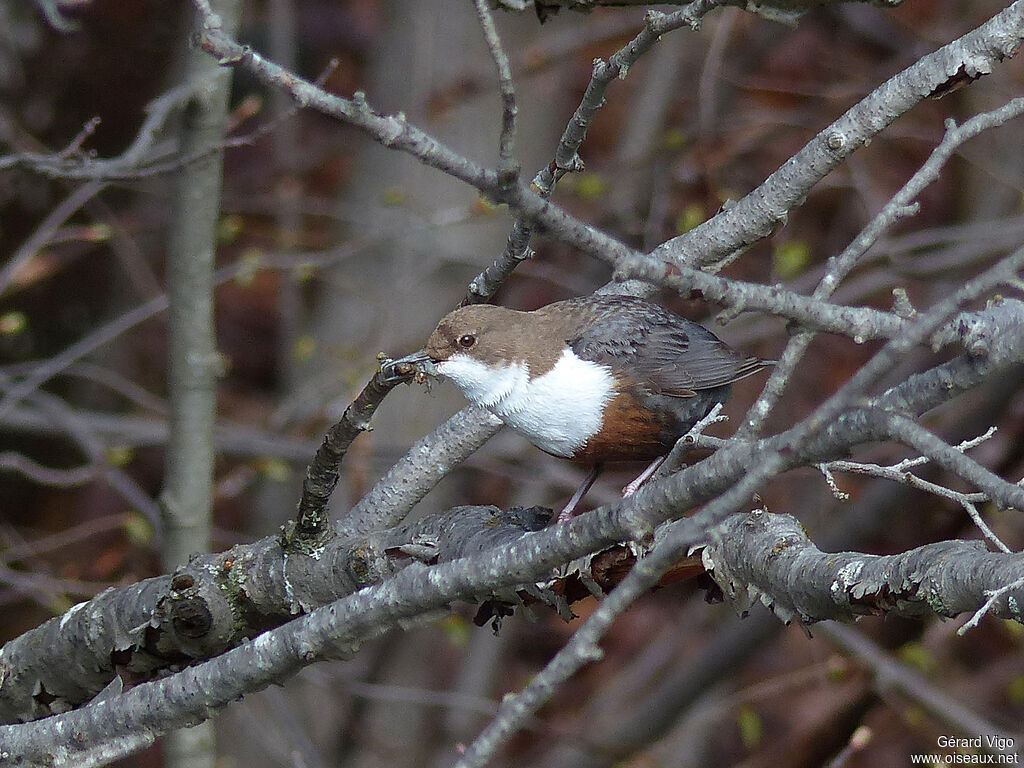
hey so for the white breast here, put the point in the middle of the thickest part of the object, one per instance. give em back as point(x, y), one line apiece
point(558, 411)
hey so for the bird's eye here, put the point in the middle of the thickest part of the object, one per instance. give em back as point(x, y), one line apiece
point(467, 340)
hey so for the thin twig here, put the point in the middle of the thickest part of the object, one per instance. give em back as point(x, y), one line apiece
point(891, 675)
point(51, 476)
point(508, 166)
point(911, 433)
point(766, 206)
point(566, 158)
point(42, 233)
point(583, 647)
point(322, 474)
point(67, 537)
point(186, 698)
point(43, 370)
point(900, 473)
point(993, 598)
point(115, 477)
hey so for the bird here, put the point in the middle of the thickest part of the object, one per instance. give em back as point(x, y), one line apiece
point(593, 379)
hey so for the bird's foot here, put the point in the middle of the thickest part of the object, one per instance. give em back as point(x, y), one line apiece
point(643, 477)
point(569, 511)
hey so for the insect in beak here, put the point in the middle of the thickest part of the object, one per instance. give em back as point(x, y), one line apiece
point(418, 366)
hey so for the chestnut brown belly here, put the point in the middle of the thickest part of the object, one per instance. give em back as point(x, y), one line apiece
point(639, 425)
point(630, 432)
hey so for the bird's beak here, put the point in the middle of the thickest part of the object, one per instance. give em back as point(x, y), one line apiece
point(417, 365)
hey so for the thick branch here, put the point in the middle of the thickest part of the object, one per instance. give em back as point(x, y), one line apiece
point(769, 558)
point(424, 465)
point(218, 601)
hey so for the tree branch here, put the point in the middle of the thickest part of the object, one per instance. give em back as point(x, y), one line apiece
point(769, 558)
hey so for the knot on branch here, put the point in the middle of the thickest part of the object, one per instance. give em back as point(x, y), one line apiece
point(195, 616)
point(993, 332)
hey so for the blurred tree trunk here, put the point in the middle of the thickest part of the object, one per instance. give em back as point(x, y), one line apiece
point(193, 362)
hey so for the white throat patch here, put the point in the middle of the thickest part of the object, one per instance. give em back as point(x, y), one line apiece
point(558, 412)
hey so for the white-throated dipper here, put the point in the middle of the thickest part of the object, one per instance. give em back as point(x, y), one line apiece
point(591, 379)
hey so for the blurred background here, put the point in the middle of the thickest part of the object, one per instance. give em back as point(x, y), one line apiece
point(333, 248)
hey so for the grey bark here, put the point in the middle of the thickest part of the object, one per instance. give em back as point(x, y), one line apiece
point(193, 361)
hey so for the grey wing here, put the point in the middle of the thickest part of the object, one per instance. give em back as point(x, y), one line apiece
point(695, 359)
point(666, 353)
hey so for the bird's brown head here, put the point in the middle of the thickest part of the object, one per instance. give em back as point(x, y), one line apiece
point(492, 336)
point(484, 332)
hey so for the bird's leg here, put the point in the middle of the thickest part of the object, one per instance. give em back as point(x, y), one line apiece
point(643, 477)
point(570, 508)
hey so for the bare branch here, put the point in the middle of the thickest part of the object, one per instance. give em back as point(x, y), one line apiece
point(583, 647)
point(389, 577)
point(136, 431)
point(64, 538)
point(310, 526)
point(508, 167)
point(42, 371)
point(57, 478)
point(960, 464)
point(900, 473)
point(218, 601)
point(145, 155)
point(781, 11)
point(61, 213)
point(751, 219)
point(993, 600)
point(757, 214)
point(424, 465)
point(566, 157)
point(769, 558)
point(120, 481)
